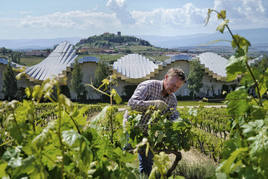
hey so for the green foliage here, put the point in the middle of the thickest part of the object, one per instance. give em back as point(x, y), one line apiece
point(9, 83)
point(245, 153)
point(5, 51)
point(102, 72)
point(76, 81)
point(162, 137)
point(64, 146)
point(210, 129)
point(15, 57)
point(106, 87)
point(108, 40)
point(195, 77)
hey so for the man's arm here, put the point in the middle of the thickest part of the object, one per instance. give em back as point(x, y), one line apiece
point(138, 99)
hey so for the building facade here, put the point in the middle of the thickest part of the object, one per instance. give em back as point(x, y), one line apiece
point(130, 70)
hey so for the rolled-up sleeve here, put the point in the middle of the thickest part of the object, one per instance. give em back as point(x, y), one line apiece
point(138, 99)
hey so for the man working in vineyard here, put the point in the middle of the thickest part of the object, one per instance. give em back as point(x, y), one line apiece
point(158, 93)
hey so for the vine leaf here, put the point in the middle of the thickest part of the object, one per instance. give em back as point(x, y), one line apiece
point(243, 44)
point(222, 26)
point(227, 166)
point(235, 67)
point(116, 96)
point(43, 137)
point(222, 14)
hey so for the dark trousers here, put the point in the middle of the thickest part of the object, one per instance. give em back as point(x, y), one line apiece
point(146, 162)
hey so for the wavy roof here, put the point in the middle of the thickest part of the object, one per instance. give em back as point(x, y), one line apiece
point(88, 59)
point(134, 66)
point(56, 63)
point(5, 62)
point(214, 64)
point(186, 57)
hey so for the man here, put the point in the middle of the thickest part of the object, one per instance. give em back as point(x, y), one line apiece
point(158, 93)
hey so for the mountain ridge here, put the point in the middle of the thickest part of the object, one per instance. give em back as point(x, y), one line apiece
point(257, 37)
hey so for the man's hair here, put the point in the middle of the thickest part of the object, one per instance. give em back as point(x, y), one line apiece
point(177, 72)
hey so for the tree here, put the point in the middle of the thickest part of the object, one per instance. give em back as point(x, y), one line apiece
point(76, 82)
point(195, 77)
point(10, 83)
point(102, 72)
point(15, 57)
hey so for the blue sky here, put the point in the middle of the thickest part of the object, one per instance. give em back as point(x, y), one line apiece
point(31, 19)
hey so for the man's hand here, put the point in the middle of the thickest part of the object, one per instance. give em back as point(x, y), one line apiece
point(159, 104)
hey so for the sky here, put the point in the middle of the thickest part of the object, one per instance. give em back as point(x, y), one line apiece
point(42, 19)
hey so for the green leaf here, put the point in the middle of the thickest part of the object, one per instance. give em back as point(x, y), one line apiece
point(12, 156)
point(222, 15)
point(71, 137)
point(27, 166)
point(65, 101)
point(222, 26)
point(28, 92)
point(116, 96)
point(105, 81)
point(43, 137)
point(237, 102)
point(226, 166)
point(3, 169)
point(235, 67)
point(36, 91)
point(240, 43)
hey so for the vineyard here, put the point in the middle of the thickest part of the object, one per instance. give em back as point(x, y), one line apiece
point(29, 132)
point(62, 139)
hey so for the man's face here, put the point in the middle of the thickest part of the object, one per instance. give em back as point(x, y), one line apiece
point(172, 84)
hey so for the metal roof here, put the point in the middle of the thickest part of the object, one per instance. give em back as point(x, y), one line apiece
point(134, 66)
point(214, 64)
point(88, 59)
point(3, 61)
point(186, 57)
point(255, 60)
point(56, 63)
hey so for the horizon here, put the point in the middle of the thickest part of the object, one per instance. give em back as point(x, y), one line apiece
point(82, 19)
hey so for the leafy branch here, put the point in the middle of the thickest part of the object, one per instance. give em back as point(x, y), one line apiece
point(239, 43)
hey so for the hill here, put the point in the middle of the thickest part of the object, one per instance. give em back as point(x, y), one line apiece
point(109, 43)
point(110, 40)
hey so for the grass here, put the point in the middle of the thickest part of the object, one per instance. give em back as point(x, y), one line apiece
point(195, 165)
point(197, 103)
point(30, 61)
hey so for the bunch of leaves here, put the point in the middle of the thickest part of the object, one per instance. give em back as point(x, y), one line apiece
point(162, 135)
point(106, 89)
point(246, 152)
point(108, 123)
point(61, 148)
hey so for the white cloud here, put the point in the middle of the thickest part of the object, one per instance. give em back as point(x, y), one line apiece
point(119, 8)
point(244, 13)
point(187, 19)
point(172, 20)
point(72, 20)
point(117, 3)
point(186, 16)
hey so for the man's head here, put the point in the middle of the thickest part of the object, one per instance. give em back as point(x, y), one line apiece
point(174, 79)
